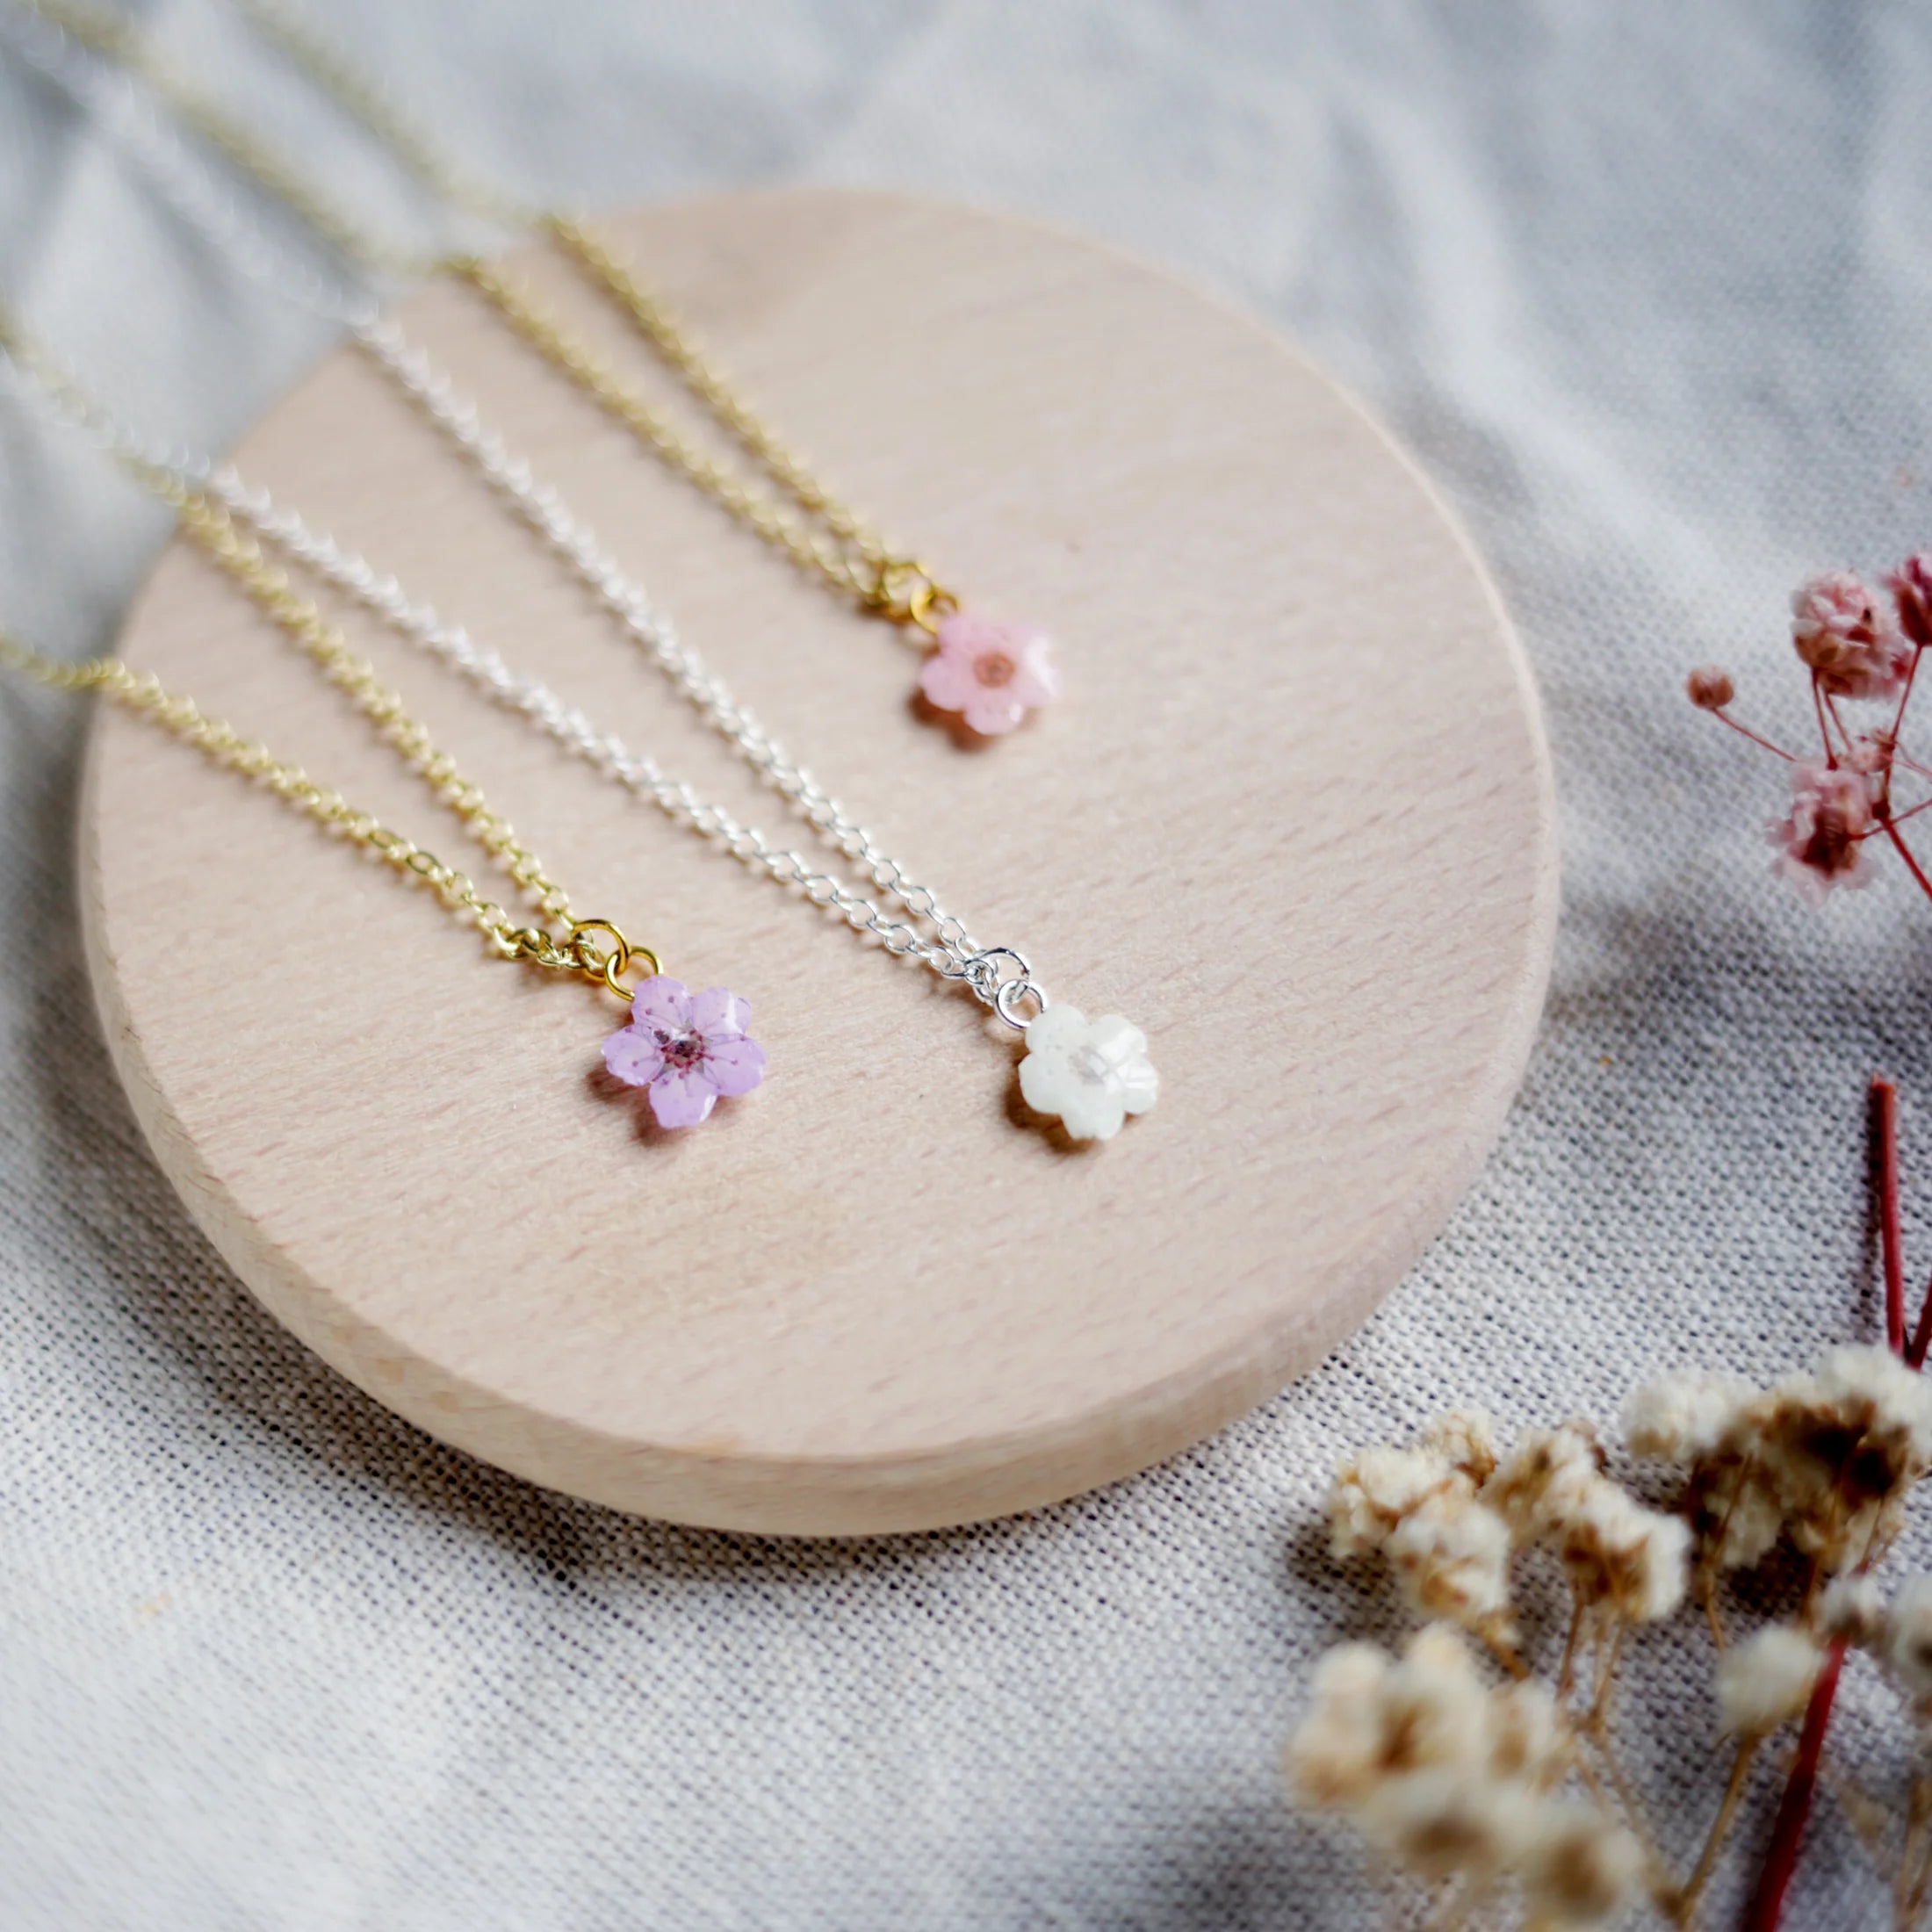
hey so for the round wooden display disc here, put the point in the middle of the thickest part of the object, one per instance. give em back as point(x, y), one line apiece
point(1293, 816)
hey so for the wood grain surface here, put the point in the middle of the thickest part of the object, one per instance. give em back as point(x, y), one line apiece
point(1292, 815)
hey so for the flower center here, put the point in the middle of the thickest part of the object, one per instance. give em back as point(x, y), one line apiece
point(682, 1050)
point(994, 668)
point(1091, 1064)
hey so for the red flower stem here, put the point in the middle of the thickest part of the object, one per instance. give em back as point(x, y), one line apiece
point(1905, 851)
point(1745, 731)
point(1885, 1116)
point(1767, 1906)
point(1824, 722)
point(1905, 697)
point(1920, 1343)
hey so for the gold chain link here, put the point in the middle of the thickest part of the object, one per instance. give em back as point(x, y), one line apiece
point(144, 695)
point(208, 525)
point(799, 516)
point(823, 539)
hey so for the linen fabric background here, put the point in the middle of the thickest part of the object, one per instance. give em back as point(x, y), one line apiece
point(1647, 287)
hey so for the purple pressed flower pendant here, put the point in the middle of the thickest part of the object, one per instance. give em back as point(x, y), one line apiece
point(688, 1050)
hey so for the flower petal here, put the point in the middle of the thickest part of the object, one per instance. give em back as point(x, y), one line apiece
point(948, 682)
point(965, 634)
point(1045, 1081)
point(1092, 1113)
point(733, 1065)
point(991, 713)
point(682, 1098)
point(1059, 1029)
point(1138, 1084)
point(662, 1003)
point(632, 1056)
point(715, 1013)
point(1037, 680)
point(1116, 1040)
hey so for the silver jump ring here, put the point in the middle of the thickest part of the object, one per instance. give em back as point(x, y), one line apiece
point(1011, 991)
point(982, 972)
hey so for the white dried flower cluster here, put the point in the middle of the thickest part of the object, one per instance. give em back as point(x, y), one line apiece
point(1419, 1508)
point(1552, 1491)
point(1907, 1639)
point(1824, 1458)
point(1767, 1680)
point(1448, 1514)
point(1898, 1633)
point(1457, 1779)
point(1852, 1608)
point(1852, 1611)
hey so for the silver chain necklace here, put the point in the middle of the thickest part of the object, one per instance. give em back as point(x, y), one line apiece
point(1091, 1076)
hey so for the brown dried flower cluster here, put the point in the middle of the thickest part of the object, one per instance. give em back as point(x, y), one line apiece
point(1823, 1459)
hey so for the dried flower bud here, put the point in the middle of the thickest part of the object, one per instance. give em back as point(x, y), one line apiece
point(1466, 1437)
point(1849, 637)
point(1579, 1868)
point(1440, 1823)
point(1449, 1775)
point(1870, 753)
point(1552, 1491)
point(1419, 1509)
point(1852, 1610)
point(1909, 1639)
point(1767, 1680)
point(1452, 1557)
point(1375, 1490)
point(1911, 587)
point(1710, 688)
point(1820, 843)
point(1334, 1759)
point(1544, 1479)
point(1683, 1416)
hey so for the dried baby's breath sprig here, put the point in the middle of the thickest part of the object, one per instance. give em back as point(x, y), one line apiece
point(1425, 1758)
point(1418, 1508)
point(1621, 1559)
point(1459, 1781)
point(1857, 645)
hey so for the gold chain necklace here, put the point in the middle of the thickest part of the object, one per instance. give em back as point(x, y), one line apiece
point(575, 949)
point(685, 1050)
point(988, 673)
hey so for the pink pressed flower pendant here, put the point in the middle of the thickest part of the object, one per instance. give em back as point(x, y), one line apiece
point(688, 1050)
point(989, 671)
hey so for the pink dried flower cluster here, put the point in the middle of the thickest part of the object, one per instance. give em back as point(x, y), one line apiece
point(1850, 636)
point(1859, 645)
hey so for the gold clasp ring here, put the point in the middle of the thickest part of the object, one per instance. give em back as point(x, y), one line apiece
point(612, 966)
point(903, 591)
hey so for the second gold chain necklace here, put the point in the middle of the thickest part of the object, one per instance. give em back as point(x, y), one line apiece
point(987, 674)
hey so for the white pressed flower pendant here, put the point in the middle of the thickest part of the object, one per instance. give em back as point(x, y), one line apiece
point(1090, 1074)
point(1087, 1074)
